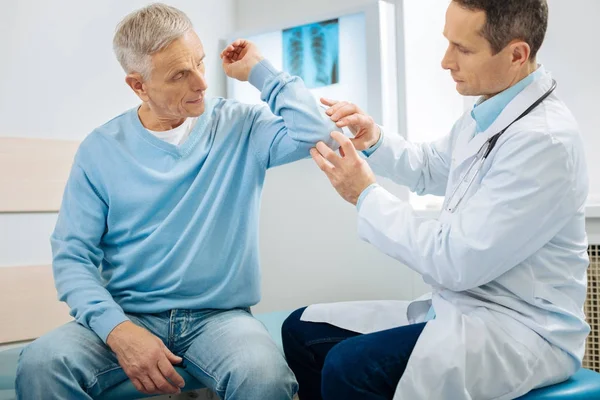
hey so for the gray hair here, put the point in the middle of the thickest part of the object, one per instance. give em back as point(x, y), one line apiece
point(145, 32)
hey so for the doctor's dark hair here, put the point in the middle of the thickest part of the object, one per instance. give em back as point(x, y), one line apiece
point(507, 20)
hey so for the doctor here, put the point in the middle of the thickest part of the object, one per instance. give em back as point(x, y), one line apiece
point(507, 256)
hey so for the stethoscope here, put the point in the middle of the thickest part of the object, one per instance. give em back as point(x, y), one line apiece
point(482, 154)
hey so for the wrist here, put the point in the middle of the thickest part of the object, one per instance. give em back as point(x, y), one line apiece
point(364, 194)
point(377, 138)
point(112, 340)
point(253, 62)
point(374, 145)
point(261, 73)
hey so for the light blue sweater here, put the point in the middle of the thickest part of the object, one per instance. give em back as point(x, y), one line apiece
point(146, 226)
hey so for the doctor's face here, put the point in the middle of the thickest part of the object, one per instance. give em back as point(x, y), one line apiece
point(469, 57)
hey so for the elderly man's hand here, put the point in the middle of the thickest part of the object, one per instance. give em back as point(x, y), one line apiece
point(348, 173)
point(239, 58)
point(145, 359)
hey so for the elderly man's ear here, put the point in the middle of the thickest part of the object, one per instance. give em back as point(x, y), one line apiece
point(136, 82)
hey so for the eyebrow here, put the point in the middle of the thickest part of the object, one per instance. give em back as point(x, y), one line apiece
point(459, 45)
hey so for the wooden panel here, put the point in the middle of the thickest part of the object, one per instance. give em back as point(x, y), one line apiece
point(28, 303)
point(33, 173)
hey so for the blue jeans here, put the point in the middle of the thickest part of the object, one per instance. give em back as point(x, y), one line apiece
point(229, 351)
point(332, 363)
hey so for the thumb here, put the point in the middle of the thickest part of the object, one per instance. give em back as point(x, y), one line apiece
point(172, 357)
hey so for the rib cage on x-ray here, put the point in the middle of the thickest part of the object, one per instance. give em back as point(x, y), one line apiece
point(311, 52)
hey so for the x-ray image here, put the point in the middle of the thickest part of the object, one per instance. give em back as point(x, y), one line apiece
point(312, 53)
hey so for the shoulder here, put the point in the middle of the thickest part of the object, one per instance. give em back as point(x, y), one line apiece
point(102, 139)
point(552, 127)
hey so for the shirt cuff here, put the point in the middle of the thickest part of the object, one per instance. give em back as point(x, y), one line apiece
point(430, 314)
point(364, 194)
point(372, 149)
point(260, 73)
point(104, 324)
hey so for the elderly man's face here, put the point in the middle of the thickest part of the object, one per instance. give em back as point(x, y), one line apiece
point(177, 83)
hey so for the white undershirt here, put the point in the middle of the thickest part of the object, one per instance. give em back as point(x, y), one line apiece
point(177, 136)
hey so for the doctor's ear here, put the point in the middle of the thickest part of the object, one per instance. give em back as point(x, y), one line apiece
point(520, 52)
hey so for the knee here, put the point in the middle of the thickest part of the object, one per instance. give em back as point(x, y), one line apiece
point(340, 368)
point(279, 381)
point(270, 369)
point(291, 329)
point(264, 375)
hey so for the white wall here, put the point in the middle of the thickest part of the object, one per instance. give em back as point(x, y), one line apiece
point(59, 76)
point(59, 79)
point(429, 88)
point(571, 53)
point(256, 15)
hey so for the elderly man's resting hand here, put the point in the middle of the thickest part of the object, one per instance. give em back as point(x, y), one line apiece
point(145, 359)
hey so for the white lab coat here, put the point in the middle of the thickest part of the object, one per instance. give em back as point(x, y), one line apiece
point(508, 268)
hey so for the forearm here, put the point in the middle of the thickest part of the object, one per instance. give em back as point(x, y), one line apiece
point(423, 168)
point(287, 97)
point(78, 284)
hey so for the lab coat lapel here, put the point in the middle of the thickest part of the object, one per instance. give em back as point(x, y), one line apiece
point(467, 147)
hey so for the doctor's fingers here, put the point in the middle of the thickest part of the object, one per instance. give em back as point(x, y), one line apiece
point(343, 109)
point(346, 147)
point(323, 164)
point(356, 120)
point(328, 102)
point(327, 153)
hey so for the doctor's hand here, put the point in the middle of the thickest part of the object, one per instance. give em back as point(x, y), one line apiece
point(349, 174)
point(239, 58)
point(345, 114)
point(145, 359)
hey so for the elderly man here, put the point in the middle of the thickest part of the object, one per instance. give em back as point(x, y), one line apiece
point(156, 248)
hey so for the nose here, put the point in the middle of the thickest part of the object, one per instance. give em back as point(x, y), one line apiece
point(448, 61)
point(198, 82)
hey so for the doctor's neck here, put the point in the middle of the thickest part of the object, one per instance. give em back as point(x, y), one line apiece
point(527, 69)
